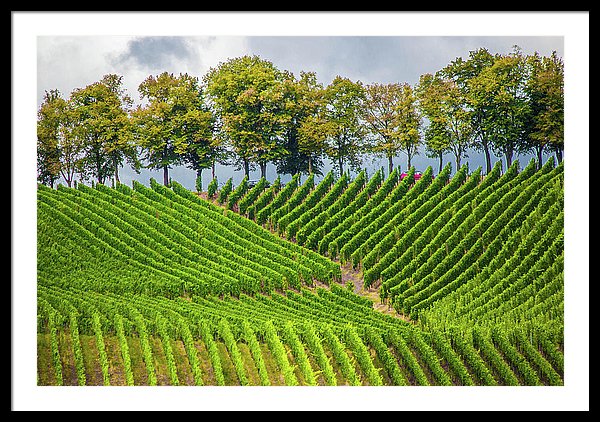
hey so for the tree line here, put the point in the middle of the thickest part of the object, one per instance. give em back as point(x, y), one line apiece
point(247, 113)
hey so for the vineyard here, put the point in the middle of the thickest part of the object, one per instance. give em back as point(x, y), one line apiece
point(461, 281)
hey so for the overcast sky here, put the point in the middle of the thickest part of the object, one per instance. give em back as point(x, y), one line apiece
point(65, 51)
point(67, 62)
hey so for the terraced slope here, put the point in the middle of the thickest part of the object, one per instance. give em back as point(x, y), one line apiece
point(320, 337)
point(156, 286)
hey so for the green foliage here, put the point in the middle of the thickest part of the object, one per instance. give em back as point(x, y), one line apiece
point(237, 193)
point(476, 263)
point(248, 92)
point(100, 117)
point(225, 191)
point(212, 187)
point(175, 124)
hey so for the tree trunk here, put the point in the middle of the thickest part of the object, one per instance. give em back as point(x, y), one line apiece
point(538, 150)
point(509, 156)
point(441, 162)
point(67, 176)
point(488, 158)
point(310, 165)
point(199, 180)
point(559, 154)
point(341, 164)
point(213, 169)
point(247, 167)
point(99, 169)
point(390, 164)
point(166, 175)
point(409, 162)
point(263, 170)
point(117, 181)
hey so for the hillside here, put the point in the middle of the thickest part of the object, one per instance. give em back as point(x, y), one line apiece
point(158, 286)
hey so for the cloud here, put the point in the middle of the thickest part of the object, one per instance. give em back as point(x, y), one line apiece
point(154, 52)
point(383, 59)
point(69, 62)
point(66, 63)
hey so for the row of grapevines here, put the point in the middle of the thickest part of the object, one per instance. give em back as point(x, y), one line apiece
point(433, 236)
point(377, 216)
point(252, 194)
point(92, 265)
point(347, 225)
point(274, 341)
point(353, 198)
point(408, 358)
point(390, 363)
point(97, 325)
point(510, 235)
point(450, 237)
point(265, 198)
point(492, 355)
point(250, 339)
point(341, 357)
point(231, 344)
point(361, 353)
point(237, 193)
point(408, 227)
point(225, 191)
point(293, 201)
point(314, 205)
point(299, 204)
point(315, 345)
point(464, 267)
point(322, 268)
point(165, 337)
point(336, 200)
point(124, 349)
point(301, 358)
point(278, 201)
point(109, 233)
point(47, 312)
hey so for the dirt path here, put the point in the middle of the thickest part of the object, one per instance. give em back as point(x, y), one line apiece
point(349, 274)
point(354, 276)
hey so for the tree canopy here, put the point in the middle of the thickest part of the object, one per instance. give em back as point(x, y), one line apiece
point(247, 112)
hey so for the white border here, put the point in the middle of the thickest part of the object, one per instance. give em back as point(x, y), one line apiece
point(26, 26)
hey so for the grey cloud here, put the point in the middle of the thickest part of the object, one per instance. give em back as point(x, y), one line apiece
point(154, 52)
point(384, 59)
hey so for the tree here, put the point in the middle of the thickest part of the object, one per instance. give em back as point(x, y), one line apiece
point(60, 147)
point(382, 104)
point(409, 123)
point(313, 135)
point(503, 86)
point(119, 141)
point(51, 120)
point(545, 91)
point(174, 127)
point(443, 103)
point(303, 100)
point(466, 76)
point(195, 130)
point(507, 78)
point(101, 112)
point(248, 97)
point(343, 124)
point(437, 141)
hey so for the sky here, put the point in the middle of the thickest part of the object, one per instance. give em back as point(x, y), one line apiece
point(65, 63)
point(64, 51)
